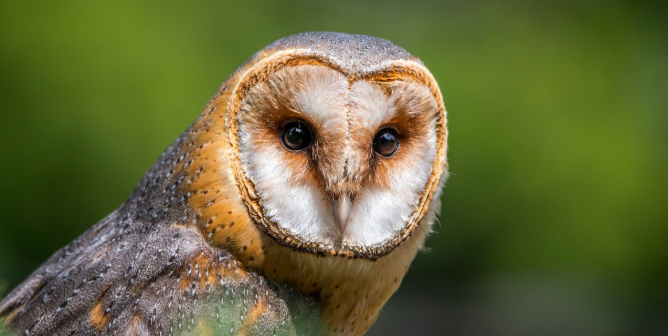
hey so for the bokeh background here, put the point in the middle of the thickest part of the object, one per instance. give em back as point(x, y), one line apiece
point(555, 218)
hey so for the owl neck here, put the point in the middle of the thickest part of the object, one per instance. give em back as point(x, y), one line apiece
point(352, 291)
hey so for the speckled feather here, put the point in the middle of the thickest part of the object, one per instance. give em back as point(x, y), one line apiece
point(187, 253)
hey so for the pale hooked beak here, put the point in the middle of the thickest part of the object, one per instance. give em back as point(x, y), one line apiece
point(342, 207)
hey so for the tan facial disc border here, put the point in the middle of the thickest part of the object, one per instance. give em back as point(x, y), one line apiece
point(386, 72)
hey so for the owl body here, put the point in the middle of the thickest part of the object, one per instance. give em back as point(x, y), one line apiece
point(293, 205)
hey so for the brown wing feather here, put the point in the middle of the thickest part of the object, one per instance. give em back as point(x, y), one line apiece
point(159, 279)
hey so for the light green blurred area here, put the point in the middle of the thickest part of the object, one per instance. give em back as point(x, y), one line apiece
point(555, 218)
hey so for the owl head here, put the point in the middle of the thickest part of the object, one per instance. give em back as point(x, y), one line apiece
point(338, 142)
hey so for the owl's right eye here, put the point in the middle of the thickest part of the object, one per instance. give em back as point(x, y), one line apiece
point(296, 135)
point(386, 142)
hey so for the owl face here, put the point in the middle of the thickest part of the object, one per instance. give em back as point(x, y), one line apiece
point(331, 163)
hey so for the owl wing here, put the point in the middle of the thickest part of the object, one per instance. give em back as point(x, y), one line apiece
point(128, 278)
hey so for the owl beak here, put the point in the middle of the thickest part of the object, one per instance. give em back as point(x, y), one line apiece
point(342, 207)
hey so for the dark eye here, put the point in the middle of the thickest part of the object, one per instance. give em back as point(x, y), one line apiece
point(296, 135)
point(386, 142)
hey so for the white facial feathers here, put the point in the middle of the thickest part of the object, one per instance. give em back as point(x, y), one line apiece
point(300, 191)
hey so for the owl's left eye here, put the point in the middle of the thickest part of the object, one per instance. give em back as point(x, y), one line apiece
point(296, 135)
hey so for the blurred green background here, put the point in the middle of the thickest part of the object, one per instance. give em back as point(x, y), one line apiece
point(555, 218)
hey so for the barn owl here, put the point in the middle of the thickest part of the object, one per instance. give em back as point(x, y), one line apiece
point(294, 204)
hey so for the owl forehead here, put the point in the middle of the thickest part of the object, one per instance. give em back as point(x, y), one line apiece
point(330, 100)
